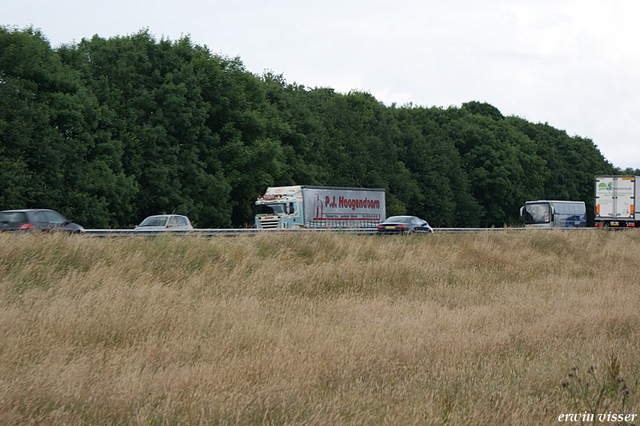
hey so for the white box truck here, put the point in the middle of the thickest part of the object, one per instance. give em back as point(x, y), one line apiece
point(615, 201)
point(300, 206)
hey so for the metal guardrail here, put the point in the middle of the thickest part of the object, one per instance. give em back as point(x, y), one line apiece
point(472, 230)
point(509, 229)
point(253, 231)
point(216, 232)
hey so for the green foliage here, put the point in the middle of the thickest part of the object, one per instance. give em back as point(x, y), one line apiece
point(55, 151)
point(571, 163)
point(110, 131)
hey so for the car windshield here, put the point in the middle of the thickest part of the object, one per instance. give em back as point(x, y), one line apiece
point(7, 217)
point(154, 221)
point(398, 219)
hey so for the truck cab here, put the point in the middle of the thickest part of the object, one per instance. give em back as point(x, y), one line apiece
point(279, 208)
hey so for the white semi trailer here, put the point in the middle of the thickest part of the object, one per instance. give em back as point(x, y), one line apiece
point(299, 206)
point(615, 201)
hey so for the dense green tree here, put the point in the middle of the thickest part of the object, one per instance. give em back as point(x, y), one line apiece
point(302, 132)
point(159, 118)
point(571, 163)
point(109, 131)
point(628, 171)
point(360, 148)
point(484, 109)
point(53, 148)
point(436, 167)
point(501, 163)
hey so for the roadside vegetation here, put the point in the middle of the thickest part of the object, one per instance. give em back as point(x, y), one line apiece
point(110, 131)
point(317, 328)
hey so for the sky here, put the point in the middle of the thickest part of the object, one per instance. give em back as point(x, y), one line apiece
point(574, 64)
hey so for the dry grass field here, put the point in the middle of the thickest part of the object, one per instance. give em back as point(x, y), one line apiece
point(319, 329)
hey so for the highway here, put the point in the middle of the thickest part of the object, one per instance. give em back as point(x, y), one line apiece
point(214, 232)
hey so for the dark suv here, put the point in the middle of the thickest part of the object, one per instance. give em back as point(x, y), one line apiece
point(40, 219)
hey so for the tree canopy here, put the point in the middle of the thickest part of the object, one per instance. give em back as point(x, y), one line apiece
point(108, 131)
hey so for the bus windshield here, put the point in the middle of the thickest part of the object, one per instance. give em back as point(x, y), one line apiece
point(269, 209)
point(537, 213)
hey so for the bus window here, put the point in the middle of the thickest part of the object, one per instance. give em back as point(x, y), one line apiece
point(537, 213)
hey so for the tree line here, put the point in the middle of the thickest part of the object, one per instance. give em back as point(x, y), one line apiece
point(108, 131)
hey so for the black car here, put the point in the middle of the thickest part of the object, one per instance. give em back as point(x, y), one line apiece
point(404, 225)
point(36, 219)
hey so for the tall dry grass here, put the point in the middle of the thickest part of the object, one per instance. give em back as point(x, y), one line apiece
point(317, 329)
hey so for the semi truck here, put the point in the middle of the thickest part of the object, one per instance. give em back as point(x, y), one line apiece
point(615, 201)
point(302, 206)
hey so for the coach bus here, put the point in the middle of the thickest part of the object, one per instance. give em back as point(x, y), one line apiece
point(554, 214)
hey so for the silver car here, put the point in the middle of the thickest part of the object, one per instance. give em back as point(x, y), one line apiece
point(165, 222)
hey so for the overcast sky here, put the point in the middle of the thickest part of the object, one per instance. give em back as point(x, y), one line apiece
point(574, 64)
